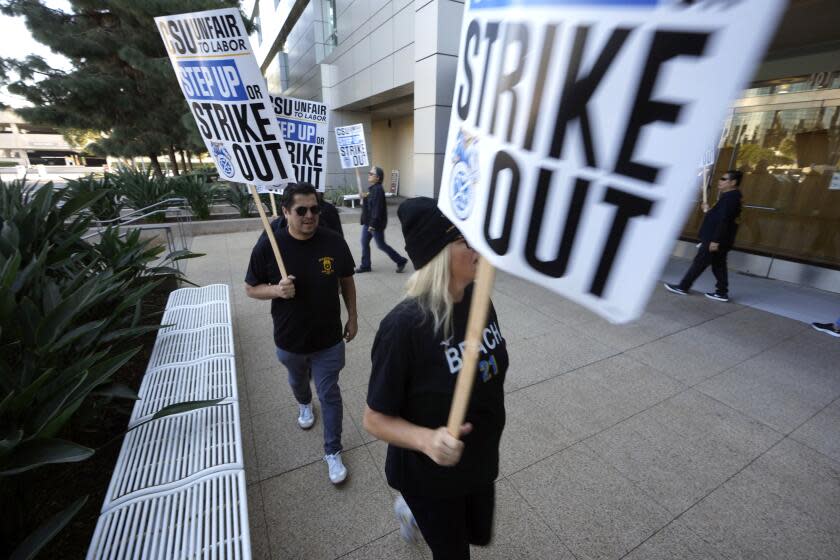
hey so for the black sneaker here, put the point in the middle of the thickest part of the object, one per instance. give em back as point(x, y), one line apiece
point(827, 328)
point(675, 289)
point(401, 266)
point(360, 270)
point(716, 296)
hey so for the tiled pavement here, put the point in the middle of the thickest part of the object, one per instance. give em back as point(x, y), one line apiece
point(702, 430)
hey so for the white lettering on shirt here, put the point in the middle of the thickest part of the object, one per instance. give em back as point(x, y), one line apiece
point(454, 359)
point(491, 336)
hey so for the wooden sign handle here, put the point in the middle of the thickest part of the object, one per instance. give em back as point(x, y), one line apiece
point(479, 307)
point(359, 182)
point(268, 231)
point(273, 205)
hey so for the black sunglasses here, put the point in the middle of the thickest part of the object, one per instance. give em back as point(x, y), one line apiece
point(301, 210)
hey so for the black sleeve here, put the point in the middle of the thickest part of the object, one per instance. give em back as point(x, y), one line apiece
point(390, 359)
point(377, 208)
point(257, 270)
point(330, 218)
point(346, 265)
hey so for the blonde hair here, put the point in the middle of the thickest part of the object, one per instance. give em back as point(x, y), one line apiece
point(429, 287)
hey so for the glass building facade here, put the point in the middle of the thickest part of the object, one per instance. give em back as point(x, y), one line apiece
point(784, 135)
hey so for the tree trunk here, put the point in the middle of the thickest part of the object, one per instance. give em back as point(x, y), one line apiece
point(173, 161)
point(156, 165)
point(186, 159)
point(189, 160)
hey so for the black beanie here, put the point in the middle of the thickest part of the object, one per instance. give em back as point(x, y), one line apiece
point(425, 229)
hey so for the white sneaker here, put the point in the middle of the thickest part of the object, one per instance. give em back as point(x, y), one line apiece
point(338, 472)
point(409, 530)
point(306, 418)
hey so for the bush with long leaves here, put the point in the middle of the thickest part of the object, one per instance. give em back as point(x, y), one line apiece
point(108, 206)
point(71, 312)
point(141, 189)
point(238, 196)
point(335, 196)
point(198, 192)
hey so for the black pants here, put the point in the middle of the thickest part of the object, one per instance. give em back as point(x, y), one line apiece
point(703, 259)
point(451, 525)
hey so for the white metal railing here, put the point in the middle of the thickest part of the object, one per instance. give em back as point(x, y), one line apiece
point(206, 518)
point(198, 296)
point(179, 346)
point(196, 316)
point(178, 488)
point(204, 380)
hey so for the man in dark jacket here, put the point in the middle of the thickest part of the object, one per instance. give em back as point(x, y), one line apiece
point(374, 220)
point(717, 235)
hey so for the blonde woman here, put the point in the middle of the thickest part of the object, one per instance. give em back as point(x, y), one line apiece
point(446, 482)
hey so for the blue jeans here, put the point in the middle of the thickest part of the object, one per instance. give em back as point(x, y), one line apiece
point(323, 366)
point(379, 237)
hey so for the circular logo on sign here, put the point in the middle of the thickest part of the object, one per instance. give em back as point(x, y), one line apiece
point(461, 193)
point(464, 174)
point(223, 160)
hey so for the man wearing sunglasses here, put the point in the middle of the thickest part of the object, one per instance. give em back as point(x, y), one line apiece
point(717, 235)
point(374, 220)
point(328, 218)
point(306, 311)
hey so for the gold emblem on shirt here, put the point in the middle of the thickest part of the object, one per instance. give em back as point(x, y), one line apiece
point(327, 265)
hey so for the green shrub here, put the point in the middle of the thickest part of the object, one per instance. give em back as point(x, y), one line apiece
point(198, 192)
point(109, 205)
point(141, 189)
point(335, 195)
point(238, 196)
point(71, 312)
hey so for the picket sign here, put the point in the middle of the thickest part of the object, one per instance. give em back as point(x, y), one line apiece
point(352, 150)
point(273, 205)
point(305, 126)
point(574, 137)
point(227, 94)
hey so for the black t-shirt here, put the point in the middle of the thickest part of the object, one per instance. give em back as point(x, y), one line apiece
point(311, 320)
point(413, 376)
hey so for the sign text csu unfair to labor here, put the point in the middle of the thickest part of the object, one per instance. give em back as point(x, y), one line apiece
point(227, 95)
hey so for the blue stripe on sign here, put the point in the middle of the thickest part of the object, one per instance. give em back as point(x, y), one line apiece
point(298, 131)
point(216, 80)
point(479, 4)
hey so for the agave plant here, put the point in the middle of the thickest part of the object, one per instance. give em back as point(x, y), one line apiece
point(109, 205)
point(238, 196)
point(198, 192)
point(70, 314)
point(141, 189)
point(335, 195)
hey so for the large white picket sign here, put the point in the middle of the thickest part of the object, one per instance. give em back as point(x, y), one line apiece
point(576, 128)
point(352, 150)
point(305, 126)
point(228, 97)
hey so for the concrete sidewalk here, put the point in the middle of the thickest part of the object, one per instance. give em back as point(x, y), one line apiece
point(702, 430)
